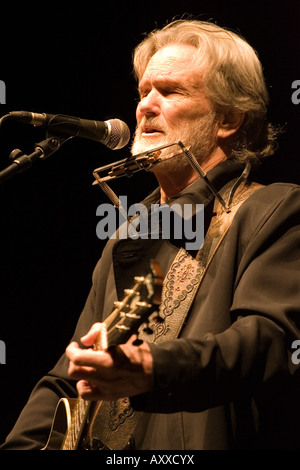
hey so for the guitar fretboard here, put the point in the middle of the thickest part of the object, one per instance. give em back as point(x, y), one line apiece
point(81, 408)
point(130, 313)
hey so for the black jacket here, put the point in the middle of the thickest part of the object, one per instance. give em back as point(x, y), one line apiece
point(228, 382)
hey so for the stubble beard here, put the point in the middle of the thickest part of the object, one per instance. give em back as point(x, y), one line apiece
point(201, 138)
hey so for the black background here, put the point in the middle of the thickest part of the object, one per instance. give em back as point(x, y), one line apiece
point(77, 60)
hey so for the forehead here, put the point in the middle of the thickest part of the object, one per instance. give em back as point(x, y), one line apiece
point(175, 62)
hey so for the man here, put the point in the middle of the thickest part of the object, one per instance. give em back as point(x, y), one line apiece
point(225, 379)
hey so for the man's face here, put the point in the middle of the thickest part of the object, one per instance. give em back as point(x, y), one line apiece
point(173, 105)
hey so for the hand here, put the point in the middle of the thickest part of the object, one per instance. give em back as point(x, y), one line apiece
point(122, 371)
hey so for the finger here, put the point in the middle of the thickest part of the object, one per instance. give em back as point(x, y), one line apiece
point(77, 368)
point(87, 391)
point(88, 357)
point(104, 391)
point(91, 336)
point(80, 373)
point(80, 356)
point(71, 350)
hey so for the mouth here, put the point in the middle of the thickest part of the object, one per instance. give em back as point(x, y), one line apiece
point(148, 131)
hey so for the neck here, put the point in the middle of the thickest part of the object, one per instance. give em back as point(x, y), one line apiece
point(174, 180)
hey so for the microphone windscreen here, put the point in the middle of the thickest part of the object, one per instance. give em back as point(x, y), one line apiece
point(119, 134)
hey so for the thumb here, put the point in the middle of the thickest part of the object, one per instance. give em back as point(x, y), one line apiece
point(94, 335)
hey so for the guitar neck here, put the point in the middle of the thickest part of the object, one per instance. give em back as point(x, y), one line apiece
point(125, 320)
point(81, 411)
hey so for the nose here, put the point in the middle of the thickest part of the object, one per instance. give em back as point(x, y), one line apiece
point(149, 105)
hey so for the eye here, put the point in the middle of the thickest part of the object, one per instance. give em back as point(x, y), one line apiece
point(143, 93)
point(167, 91)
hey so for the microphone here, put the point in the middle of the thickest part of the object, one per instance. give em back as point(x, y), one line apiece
point(113, 133)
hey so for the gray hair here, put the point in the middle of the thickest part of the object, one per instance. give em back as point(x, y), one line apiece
point(232, 75)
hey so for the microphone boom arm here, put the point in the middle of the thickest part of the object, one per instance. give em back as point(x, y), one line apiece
point(22, 162)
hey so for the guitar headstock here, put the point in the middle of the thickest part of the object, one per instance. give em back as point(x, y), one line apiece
point(140, 302)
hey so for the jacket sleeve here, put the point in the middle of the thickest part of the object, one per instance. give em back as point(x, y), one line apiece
point(251, 355)
point(196, 374)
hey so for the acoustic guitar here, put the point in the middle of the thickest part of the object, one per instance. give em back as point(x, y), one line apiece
point(80, 424)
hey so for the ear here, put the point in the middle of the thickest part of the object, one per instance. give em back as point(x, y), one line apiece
point(229, 123)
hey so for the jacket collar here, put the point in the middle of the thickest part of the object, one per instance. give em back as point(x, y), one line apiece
point(199, 192)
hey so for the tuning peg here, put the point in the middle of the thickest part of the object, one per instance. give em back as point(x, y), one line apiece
point(129, 292)
point(143, 304)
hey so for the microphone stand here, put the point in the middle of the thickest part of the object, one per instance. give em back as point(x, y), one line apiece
point(43, 150)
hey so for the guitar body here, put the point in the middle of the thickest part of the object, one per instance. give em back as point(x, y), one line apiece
point(61, 423)
point(112, 423)
point(109, 425)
